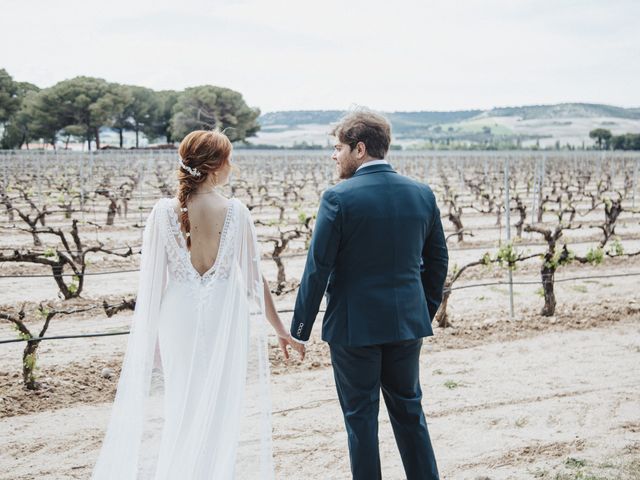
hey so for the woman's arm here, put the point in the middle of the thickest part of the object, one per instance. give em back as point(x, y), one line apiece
point(284, 337)
point(272, 313)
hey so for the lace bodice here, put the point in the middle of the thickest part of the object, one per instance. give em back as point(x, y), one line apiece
point(179, 264)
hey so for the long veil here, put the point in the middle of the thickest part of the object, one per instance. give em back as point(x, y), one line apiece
point(233, 374)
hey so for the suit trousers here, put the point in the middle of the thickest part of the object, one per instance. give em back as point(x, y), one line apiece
point(360, 373)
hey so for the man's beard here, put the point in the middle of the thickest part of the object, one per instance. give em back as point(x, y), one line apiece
point(347, 170)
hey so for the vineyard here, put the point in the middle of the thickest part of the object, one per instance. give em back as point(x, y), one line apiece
point(538, 242)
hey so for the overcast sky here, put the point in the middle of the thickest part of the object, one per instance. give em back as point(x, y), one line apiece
point(388, 55)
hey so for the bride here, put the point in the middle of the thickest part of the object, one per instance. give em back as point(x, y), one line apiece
point(193, 395)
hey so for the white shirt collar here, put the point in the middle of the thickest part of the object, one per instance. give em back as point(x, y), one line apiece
point(372, 162)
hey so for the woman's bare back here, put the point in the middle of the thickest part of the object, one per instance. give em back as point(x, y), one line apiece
point(207, 214)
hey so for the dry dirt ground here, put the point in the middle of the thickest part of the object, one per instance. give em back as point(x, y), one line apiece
point(504, 399)
point(524, 398)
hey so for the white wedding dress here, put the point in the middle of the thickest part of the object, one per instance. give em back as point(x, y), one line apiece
point(193, 395)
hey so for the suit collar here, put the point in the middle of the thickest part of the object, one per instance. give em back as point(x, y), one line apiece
point(374, 169)
point(379, 161)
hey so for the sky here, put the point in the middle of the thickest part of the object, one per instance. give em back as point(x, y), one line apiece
point(391, 55)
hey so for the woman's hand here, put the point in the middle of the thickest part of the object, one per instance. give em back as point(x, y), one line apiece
point(284, 340)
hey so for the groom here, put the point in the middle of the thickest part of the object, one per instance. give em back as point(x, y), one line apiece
point(378, 253)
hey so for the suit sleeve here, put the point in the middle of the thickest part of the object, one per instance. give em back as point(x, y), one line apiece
point(435, 258)
point(320, 262)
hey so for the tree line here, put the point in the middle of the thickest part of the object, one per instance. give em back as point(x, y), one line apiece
point(78, 108)
point(605, 140)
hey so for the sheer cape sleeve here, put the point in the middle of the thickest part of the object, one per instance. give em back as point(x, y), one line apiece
point(257, 460)
point(120, 454)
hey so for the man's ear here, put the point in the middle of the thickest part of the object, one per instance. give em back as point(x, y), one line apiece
point(361, 149)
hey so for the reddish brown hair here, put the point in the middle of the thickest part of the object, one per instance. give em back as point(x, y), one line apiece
point(207, 151)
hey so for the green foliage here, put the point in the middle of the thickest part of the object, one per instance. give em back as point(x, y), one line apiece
point(80, 106)
point(14, 114)
point(42, 117)
point(602, 137)
point(486, 259)
point(145, 108)
point(560, 258)
point(454, 270)
point(73, 286)
point(140, 112)
point(507, 256)
point(166, 100)
point(628, 141)
point(595, 255)
point(207, 107)
point(566, 259)
point(540, 292)
point(9, 100)
point(122, 119)
point(574, 462)
point(86, 104)
point(21, 335)
point(615, 248)
point(30, 364)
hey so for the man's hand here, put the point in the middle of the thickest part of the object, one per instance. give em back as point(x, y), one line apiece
point(284, 340)
point(298, 347)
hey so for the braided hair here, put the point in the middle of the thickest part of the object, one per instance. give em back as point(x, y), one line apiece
point(205, 151)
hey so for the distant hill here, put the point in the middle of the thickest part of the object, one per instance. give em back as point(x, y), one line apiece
point(565, 110)
point(293, 118)
point(301, 117)
point(521, 126)
point(412, 123)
